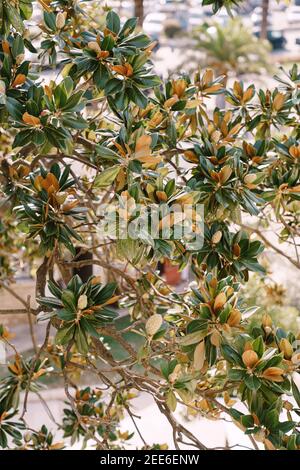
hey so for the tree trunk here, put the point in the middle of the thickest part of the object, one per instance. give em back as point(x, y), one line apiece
point(139, 11)
point(264, 19)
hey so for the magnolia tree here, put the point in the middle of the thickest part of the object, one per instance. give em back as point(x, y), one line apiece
point(106, 165)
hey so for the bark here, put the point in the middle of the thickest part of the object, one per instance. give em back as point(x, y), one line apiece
point(264, 19)
point(139, 11)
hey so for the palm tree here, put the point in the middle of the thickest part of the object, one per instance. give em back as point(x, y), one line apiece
point(232, 49)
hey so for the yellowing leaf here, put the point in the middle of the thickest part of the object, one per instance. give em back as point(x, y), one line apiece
point(199, 356)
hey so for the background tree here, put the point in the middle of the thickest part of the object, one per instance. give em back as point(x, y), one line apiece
point(139, 11)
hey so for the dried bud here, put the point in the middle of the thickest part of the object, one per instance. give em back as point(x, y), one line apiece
point(217, 236)
point(234, 317)
point(153, 324)
point(82, 302)
point(286, 347)
point(250, 358)
point(266, 320)
point(60, 20)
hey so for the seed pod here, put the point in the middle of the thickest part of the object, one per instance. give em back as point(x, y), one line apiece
point(153, 324)
point(250, 358)
point(60, 20)
point(217, 236)
point(234, 317)
point(82, 302)
point(199, 356)
point(178, 87)
point(220, 301)
point(286, 347)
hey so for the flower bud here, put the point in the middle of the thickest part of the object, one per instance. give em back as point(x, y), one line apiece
point(286, 347)
point(266, 320)
point(60, 20)
point(217, 236)
point(250, 358)
point(234, 317)
point(153, 324)
point(82, 302)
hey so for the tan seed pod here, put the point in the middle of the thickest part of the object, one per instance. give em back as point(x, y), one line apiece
point(153, 324)
point(234, 318)
point(286, 347)
point(60, 20)
point(250, 358)
point(266, 320)
point(217, 236)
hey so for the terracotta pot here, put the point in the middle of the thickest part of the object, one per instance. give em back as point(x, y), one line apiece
point(171, 273)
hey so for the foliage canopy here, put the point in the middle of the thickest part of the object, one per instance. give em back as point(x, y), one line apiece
point(106, 130)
